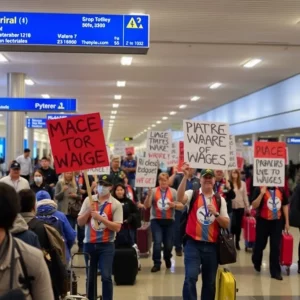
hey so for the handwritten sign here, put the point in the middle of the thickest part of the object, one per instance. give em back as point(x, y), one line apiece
point(232, 164)
point(159, 144)
point(146, 172)
point(269, 164)
point(120, 148)
point(99, 171)
point(174, 156)
point(206, 145)
point(77, 143)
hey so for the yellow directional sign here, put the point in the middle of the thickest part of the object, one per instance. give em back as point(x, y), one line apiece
point(132, 24)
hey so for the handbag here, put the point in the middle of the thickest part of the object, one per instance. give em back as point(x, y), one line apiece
point(74, 209)
point(226, 248)
point(17, 293)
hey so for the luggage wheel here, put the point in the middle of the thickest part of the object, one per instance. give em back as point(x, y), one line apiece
point(288, 271)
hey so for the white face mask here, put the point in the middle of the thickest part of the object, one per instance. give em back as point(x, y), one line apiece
point(38, 179)
point(103, 190)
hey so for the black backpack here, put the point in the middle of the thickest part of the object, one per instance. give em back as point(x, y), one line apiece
point(185, 214)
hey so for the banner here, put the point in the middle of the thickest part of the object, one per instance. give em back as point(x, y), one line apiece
point(99, 171)
point(77, 143)
point(174, 156)
point(159, 144)
point(206, 145)
point(269, 164)
point(233, 163)
point(146, 172)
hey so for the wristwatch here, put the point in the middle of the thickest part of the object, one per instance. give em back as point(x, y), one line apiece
point(217, 215)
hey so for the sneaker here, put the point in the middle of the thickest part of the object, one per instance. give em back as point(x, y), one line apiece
point(168, 264)
point(178, 252)
point(155, 269)
point(277, 277)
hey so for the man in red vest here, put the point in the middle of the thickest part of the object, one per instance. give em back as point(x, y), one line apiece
point(205, 217)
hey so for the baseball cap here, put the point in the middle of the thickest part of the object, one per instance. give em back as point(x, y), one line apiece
point(105, 180)
point(209, 172)
point(42, 195)
point(15, 165)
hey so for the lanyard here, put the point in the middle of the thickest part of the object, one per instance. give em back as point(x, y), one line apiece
point(102, 208)
point(205, 206)
point(163, 197)
point(273, 196)
point(218, 183)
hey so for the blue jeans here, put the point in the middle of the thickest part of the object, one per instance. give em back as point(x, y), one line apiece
point(177, 235)
point(131, 182)
point(80, 230)
point(162, 234)
point(102, 253)
point(196, 255)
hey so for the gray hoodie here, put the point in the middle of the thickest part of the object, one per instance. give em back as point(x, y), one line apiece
point(19, 225)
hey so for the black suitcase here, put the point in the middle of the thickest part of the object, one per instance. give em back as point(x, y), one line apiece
point(125, 266)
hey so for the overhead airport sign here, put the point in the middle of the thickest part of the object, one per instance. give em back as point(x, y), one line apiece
point(77, 33)
point(293, 140)
point(37, 104)
point(36, 123)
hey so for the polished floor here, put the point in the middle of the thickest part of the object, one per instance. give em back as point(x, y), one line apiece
point(167, 284)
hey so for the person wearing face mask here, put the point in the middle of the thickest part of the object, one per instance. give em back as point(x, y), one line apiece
point(39, 184)
point(163, 203)
point(102, 219)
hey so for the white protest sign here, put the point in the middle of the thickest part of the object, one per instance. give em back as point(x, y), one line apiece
point(269, 164)
point(206, 144)
point(159, 144)
point(146, 172)
point(174, 156)
point(232, 164)
point(99, 171)
point(120, 149)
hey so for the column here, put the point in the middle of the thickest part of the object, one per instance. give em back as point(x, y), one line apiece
point(254, 138)
point(15, 120)
point(30, 135)
point(40, 154)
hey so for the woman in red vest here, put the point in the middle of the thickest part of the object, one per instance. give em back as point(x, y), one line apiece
point(163, 202)
point(271, 204)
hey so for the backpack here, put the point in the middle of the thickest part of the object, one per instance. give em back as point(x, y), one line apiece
point(185, 214)
point(55, 256)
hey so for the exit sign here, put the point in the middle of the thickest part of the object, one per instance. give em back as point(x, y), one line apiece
point(127, 139)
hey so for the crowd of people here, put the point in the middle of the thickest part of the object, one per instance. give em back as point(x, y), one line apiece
point(39, 207)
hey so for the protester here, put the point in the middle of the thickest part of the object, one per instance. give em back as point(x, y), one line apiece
point(116, 173)
point(129, 167)
point(25, 162)
point(39, 184)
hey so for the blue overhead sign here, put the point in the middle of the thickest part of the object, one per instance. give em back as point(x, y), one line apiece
point(293, 140)
point(247, 143)
point(62, 116)
point(36, 104)
point(60, 32)
point(36, 123)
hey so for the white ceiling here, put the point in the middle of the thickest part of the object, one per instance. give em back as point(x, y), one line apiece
point(193, 44)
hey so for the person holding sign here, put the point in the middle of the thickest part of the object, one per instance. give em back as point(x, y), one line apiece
point(206, 216)
point(271, 204)
point(102, 219)
point(163, 202)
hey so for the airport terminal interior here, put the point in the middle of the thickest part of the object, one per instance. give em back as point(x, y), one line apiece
point(149, 66)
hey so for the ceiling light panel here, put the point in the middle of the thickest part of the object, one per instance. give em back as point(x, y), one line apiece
point(252, 63)
point(29, 81)
point(45, 96)
point(115, 105)
point(172, 113)
point(195, 98)
point(118, 97)
point(113, 117)
point(182, 106)
point(215, 85)
point(126, 60)
point(165, 118)
point(121, 83)
point(3, 58)
point(113, 112)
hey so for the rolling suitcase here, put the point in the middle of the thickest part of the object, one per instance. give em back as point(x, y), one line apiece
point(249, 232)
point(125, 266)
point(144, 239)
point(286, 251)
point(225, 285)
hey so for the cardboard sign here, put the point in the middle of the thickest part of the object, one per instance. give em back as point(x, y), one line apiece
point(206, 145)
point(77, 143)
point(120, 149)
point(129, 150)
point(159, 145)
point(99, 171)
point(174, 156)
point(269, 164)
point(146, 172)
point(240, 162)
point(181, 156)
point(232, 164)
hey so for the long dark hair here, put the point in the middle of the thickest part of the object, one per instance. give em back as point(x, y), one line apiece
point(115, 188)
point(238, 180)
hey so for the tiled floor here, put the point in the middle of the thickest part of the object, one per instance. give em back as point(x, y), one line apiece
point(167, 285)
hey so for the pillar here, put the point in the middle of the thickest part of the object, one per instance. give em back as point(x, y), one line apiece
point(254, 138)
point(30, 135)
point(15, 122)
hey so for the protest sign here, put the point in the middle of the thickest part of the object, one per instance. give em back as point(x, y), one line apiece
point(99, 171)
point(120, 148)
point(129, 150)
point(174, 156)
point(159, 145)
point(181, 156)
point(146, 172)
point(240, 162)
point(206, 145)
point(77, 143)
point(269, 164)
point(232, 164)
